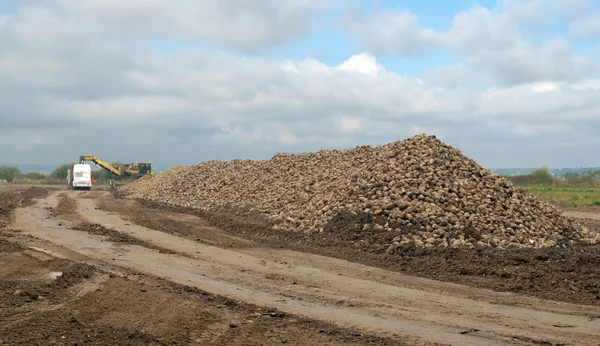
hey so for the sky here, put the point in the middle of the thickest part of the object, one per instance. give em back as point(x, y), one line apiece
point(511, 83)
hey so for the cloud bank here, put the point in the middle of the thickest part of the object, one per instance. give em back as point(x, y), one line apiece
point(78, 76)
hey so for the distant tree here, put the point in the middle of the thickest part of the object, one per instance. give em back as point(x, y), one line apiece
point(571, 175)
point(9, 173)
point(35, 176)
point(101, 174)
point(61, 172)
point(104, 175)
point(542, 175)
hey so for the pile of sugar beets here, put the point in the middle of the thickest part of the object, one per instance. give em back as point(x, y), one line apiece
point(424, 190)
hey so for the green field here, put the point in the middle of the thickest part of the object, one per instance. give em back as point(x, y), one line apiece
point(568, 194)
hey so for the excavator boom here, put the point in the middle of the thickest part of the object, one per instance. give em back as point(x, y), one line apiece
point(130, 169)
point(100, 163)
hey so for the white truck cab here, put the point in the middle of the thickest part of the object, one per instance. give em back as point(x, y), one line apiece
point(80, 177)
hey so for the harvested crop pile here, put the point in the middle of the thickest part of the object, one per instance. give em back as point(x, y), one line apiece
point(425, 191)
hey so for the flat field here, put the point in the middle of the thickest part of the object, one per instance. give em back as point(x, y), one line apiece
point(567, 194)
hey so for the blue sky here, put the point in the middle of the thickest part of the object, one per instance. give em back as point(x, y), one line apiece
point(9, 9)
point(512, 83)
point(331, 45)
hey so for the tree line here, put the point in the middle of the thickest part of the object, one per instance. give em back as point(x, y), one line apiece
point(544, 176)
point(12, 174)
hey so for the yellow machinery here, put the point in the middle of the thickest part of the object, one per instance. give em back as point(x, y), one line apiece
point(134, 170)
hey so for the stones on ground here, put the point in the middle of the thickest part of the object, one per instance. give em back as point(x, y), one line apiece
point(421, 189)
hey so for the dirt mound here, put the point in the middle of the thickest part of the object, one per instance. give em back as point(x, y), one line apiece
point(8, 247)
point(422, 190)
point(33, 192)
point(11, 199)
point(8, 202)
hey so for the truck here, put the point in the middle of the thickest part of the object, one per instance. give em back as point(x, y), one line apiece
point(79, 176)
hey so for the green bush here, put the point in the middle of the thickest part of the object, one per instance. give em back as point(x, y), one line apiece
point(10, 173)
point(542, 175)
point(61, 172)
point(104, 175)
point(35, 176)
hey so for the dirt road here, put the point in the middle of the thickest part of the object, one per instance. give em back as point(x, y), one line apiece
point(51, 295)
point(583, 215)
point(357, 297)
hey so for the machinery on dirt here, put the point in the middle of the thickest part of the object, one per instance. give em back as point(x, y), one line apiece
point(79, 176)
point(134, 170)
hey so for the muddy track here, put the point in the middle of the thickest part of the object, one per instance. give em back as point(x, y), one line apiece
point(64, 302)
point(570, 274)
point(351, 295)
point(50, 294)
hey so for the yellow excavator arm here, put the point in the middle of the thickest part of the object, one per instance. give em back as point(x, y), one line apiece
point(99, 162)
point(132, 169)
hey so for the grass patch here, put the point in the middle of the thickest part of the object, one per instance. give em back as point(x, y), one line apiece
point(569, 194)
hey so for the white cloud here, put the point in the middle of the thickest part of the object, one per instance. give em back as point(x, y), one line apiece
point(540, 129)
point(491, 42)
point(68, 75)
point(125, 109)
point(239, 23)
point(526, 62)
point(24, 69)
point(543, 101)
point(24, 140)
point(349, 125)
point(391, 32)
point(586, 27)
point(364, 63)
point(267, 132)
point(545, 11)
point(542, 87)
point(480, 29)
point(589, 84)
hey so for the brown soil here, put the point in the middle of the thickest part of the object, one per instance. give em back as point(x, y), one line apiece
point(115, 236)
point(86, 306)
point(12, 197)
point(570, 274)
point(164, 220)
point(30, 194)
point(118, 293)
point(66, 208)
point(49, 300)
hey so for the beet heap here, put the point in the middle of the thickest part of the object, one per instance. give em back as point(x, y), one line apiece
point(423, 189)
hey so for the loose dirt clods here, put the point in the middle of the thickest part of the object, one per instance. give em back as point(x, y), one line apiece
point(15, 197)
point(53, 301)
point(116, 236)
point(424, 191)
